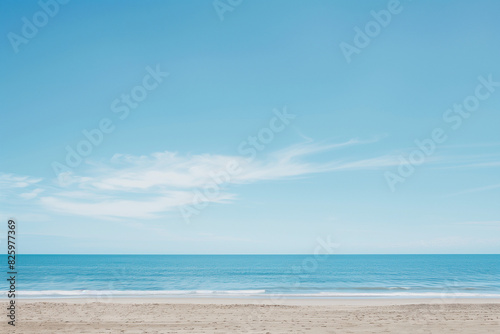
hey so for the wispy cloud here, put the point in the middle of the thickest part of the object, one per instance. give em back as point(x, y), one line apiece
point(32, 194)
point(119, 206)
point(475, 190)
point(9, 181)
point(149, 186)
point(13, 186)
point(471, 161)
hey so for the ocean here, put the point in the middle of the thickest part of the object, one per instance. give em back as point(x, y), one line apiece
point(265, 276)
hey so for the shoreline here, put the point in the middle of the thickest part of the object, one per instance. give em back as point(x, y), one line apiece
point(264, 301)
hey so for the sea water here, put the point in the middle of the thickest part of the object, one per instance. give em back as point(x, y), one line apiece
point(265, 276)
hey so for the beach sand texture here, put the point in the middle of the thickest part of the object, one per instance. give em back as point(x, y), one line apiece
point(255, 316)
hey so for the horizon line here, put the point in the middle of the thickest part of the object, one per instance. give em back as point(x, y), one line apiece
point(256, 254)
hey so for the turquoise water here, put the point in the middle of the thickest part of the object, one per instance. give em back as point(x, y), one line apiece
point(289, 276)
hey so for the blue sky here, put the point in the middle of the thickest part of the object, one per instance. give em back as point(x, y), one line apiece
point(144, 187)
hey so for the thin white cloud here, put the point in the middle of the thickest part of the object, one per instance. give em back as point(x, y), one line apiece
point(475, 190)
point(168, 170)
point(32, 194)
point(120, 207)
point(148, 186)
point(470, 161)
point(9, 181)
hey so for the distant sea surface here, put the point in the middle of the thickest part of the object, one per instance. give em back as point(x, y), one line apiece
point(266, 276)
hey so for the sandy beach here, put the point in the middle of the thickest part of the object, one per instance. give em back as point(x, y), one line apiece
point(209, 315)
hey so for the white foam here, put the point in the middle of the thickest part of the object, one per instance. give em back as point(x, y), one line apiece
point(243, 293)
point(394, 294)
point(97, 293)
